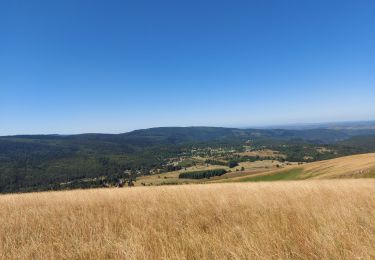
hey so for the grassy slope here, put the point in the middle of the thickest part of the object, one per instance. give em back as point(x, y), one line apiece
point(218, 221)
point(172, 177)
point(355, 166)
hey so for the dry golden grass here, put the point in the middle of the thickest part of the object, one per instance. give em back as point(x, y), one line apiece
point(353, 166)
point(349, 166)
point(326, 219)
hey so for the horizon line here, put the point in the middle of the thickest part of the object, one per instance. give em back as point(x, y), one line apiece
point(285, 126)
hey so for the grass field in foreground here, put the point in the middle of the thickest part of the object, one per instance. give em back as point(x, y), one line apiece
point(325, 219)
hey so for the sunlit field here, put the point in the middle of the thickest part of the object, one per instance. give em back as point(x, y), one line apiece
point(323, 219)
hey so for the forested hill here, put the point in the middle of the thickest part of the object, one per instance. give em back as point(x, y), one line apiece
point(39, 162)
point(198, 134)
point(173, 135)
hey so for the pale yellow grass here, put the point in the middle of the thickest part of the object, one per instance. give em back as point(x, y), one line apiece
point(353, 166)
point(348, 166)
point(330, 219)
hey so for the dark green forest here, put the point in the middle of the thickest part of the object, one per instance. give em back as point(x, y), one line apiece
point(202, 174)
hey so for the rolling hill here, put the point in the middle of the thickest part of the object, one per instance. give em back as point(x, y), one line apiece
point(354, 166)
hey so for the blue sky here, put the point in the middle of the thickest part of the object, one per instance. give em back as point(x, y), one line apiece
point(112, 66)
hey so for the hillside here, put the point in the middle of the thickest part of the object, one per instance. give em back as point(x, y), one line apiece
point(45, 162)
point(216, 221)
point(354, 166)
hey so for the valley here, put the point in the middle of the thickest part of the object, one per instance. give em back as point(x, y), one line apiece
point(158, 156)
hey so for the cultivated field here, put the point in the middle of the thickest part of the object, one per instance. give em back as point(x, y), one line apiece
point(324, 219)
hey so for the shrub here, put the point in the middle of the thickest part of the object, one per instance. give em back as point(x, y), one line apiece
point(216, 162)
point(232, 164)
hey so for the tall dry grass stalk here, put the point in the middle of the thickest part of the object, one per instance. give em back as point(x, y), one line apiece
point(333, 219)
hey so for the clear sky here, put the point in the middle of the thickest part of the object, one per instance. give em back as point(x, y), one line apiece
point(77, 66)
